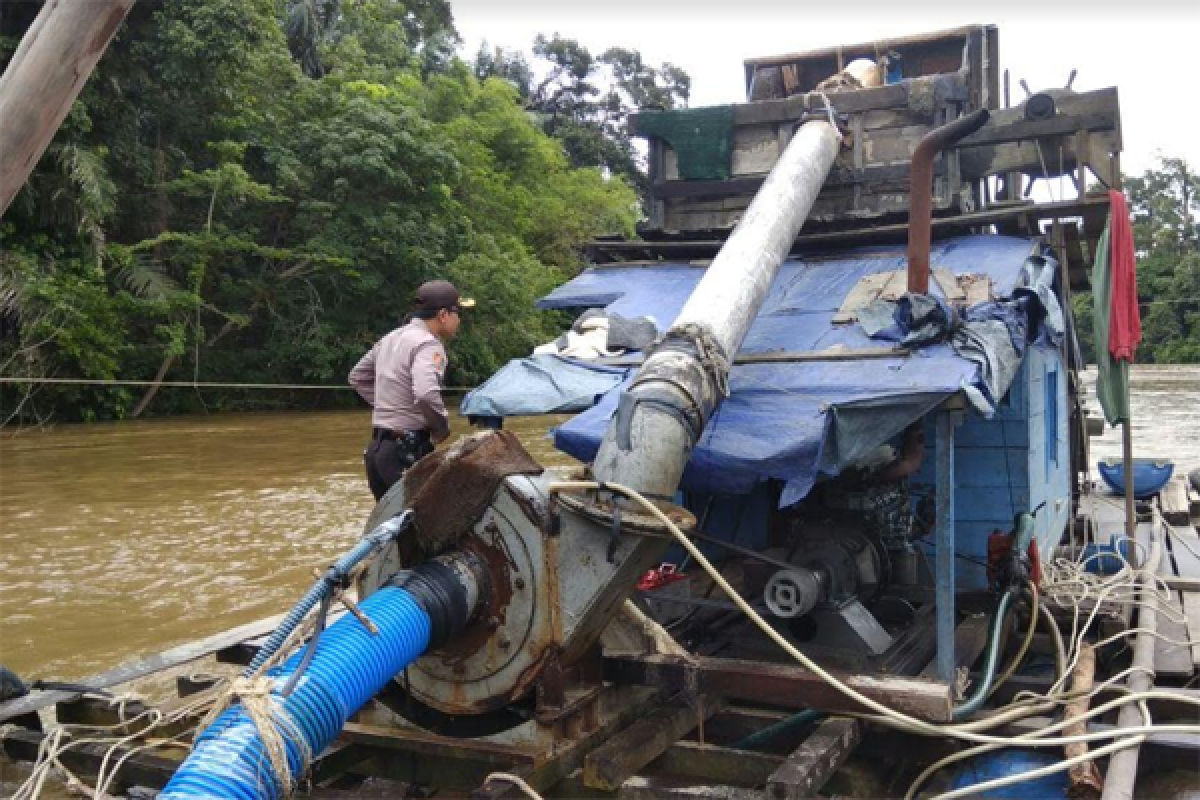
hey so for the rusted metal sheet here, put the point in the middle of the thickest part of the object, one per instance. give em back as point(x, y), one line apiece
point(807, 769)
point(783, 685)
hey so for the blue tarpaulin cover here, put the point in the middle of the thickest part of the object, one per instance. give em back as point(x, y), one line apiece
point(789, 421)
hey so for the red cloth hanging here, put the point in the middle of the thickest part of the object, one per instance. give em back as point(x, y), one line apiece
point(1125, 323)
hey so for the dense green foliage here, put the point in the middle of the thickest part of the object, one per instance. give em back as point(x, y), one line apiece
point(585, 101)
point(250, 190)
point(1166, 229)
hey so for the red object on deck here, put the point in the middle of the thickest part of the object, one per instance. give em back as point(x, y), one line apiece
point(1035, 565)
point(1125, 322)
point(999, 544)
point(663, 575)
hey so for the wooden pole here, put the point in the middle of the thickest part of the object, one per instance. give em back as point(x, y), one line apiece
point(1085, 778)
point(1127, 457)
point(1122, 766)
point(46, 74)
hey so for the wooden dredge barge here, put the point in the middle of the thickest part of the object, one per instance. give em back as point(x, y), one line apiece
point(891, 588)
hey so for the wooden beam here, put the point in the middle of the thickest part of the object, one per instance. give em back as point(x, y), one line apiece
point(699, 248)
point(1174, 502)
point(618, 759)
point(45, 75)
point(624, 704)
point(418, 741)
point(134, 670)
point(970, 637)
point(142, 769)
point(668, 788)
point(807, 769)
point(782, 356)
point(780, 685)
point(717, 765)
point(1061, 125)
point(750, 184)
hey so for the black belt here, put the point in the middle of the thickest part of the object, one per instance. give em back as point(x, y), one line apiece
point(404, 437)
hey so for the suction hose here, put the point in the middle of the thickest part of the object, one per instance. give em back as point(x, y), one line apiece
point(232, 759)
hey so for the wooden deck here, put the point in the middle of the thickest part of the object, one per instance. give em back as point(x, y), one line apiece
point(662, 741)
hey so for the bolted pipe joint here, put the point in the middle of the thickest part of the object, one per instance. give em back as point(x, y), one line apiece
point(661, 416)
point(450, 588)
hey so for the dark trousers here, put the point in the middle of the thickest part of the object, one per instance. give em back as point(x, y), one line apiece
point(389, 454)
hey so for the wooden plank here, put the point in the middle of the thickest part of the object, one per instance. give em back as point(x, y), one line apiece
point(880, 285)
point(780, 685)
point(806, 770)
point(1183, 584)
point(1173, 499)
point(1172, 659)
point(84, 759)
point(620, 706)
point(417, 741)
point(780, 356)
point(698, 248)
point(668, 788)
point(1191, 609)
point(749, 184)
point(970, 637)
point(717, 765)
point(610, 765)
point(1060, 125)
point(794, 107)
point(134, 670)
point(1185, 551)
point(948, 281)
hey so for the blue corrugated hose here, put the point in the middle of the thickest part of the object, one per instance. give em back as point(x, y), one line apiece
point(350, 666)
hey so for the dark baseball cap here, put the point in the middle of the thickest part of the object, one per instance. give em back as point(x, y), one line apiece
point(436, 295)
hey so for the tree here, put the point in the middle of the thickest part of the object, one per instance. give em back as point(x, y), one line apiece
point(236, 198)
point(585, 101)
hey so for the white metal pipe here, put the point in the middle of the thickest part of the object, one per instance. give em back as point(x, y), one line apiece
point(723, 306)
point(1122, 767)
point(733, 289)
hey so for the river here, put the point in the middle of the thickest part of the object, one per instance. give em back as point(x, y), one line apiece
point(126, 538)
point(123, 539)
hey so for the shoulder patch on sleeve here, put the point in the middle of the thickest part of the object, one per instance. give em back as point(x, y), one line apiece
point(439, 360)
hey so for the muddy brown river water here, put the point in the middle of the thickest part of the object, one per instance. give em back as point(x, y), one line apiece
point(120, 540)
point(123, 539)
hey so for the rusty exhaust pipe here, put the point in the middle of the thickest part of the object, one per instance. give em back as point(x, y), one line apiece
point(920, 193)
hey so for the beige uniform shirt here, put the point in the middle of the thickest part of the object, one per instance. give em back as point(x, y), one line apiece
point(401, 378)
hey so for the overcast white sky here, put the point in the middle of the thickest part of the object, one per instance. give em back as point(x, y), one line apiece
point(1146, 49)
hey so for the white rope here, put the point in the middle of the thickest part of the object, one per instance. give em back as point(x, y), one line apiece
point(887, 715)
point(515, 780)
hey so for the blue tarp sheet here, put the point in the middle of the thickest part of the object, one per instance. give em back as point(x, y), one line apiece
point(791, 421)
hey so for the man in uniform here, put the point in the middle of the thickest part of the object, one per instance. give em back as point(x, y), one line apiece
point(401, 379)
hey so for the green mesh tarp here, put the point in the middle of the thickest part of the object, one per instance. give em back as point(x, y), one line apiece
point(701, 137)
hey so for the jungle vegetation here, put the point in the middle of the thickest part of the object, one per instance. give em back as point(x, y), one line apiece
point(251, 190)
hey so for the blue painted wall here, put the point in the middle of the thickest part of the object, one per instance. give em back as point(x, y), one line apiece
point(1010, 463)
